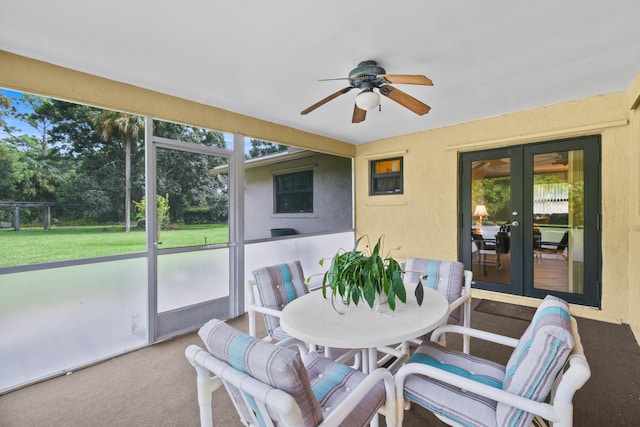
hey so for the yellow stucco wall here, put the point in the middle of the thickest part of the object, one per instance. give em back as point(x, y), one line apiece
point(423, 222)
point(633, 190)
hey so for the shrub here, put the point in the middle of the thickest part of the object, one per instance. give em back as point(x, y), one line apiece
point(202, 215)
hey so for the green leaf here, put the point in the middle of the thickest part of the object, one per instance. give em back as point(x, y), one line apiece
point(419, 292)
point(376, 249)
point(355, 295)
point(398, 287)
point(391, 299)
point(369, 292)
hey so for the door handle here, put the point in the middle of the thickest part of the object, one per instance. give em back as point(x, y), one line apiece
point(515, 223)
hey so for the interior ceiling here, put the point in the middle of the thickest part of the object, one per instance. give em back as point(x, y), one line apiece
point(265, 58)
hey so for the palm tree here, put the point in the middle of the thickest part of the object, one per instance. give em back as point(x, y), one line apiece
point(109, 123)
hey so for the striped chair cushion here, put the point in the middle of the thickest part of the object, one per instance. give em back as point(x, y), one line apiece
point(444, 276)
point(277, 286)
point(332, 382)
point(282, 368)
point(534, 364)
point(465, 408)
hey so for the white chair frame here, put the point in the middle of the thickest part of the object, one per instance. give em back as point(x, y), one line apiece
point(212, 373)
point(402, 352)
point(559, 410)
point(252, 293)
point(254, 307)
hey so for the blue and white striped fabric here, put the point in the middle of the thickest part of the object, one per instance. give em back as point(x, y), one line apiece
point(316, 383)
point(279, 367)
point(277, 286)
point(446, 277)
point(530, 372)
point(539, 356)
point(332, 382)
point(463, 407)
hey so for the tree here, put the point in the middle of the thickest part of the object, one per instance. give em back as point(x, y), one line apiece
point(9, 162)
point(5, 110)
point(162, 212)
point(261, 148)
point(187, 178)
point(112, 124)
point(40, 114)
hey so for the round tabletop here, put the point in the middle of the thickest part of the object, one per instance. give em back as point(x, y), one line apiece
point(313, 319)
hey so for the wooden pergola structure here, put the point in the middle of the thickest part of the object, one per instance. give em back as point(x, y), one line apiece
point(46, 208)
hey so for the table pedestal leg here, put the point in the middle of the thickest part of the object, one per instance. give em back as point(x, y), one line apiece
point(372, 365)
point(373, 359)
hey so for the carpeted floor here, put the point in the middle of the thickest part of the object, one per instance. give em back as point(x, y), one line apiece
point(155, 386)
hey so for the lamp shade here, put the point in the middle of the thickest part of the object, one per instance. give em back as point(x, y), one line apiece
point(367, 100)
point(481, 210)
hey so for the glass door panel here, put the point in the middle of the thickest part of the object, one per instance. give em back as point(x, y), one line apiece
point(558, 214)
point(491, 213)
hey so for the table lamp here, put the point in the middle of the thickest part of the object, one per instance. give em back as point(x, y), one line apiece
point(481, 210)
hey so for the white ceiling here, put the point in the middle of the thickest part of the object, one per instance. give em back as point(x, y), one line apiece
point(264, 58)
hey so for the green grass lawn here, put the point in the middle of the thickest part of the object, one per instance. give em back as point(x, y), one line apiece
point(36, 245)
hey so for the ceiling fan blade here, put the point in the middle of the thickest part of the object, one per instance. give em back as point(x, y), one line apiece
point(410, 79)
point(327, 99)
point(405, 99)
point(358, 114)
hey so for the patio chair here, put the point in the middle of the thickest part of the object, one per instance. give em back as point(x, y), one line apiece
point(447, 277)
point(547, 362)
point(271, 384)
point(451, 280)
point(272, 288)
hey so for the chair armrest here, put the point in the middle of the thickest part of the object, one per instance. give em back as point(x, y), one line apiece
point(543, 409)
point(475, 333)
point(578, 371)
point(459, 301)
point(344, 409)
point(206, 365)
point(303, 348)
point(266, 310)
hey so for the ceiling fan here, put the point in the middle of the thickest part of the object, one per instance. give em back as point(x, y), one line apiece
point(367, 76)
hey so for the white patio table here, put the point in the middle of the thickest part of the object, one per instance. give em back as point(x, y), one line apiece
point(312, 318)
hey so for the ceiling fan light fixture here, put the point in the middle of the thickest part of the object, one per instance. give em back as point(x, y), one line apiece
point(367, 100)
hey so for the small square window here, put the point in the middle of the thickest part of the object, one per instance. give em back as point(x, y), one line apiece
point(294, 192)
point(386, 176)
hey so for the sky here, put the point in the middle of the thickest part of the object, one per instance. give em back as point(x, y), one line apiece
point(25, 128)
point(20, 125)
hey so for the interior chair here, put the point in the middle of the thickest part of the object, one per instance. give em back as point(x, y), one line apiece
point(272, 384)
point(494, 247)
point(553, 248)
point(545, 370)
point(451, 280)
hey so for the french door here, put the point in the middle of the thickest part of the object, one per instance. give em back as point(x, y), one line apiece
point(530, 219)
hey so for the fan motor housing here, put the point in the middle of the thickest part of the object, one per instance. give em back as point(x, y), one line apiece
point(365, 75)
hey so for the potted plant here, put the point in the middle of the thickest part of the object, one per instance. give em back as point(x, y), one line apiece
point(357, 275)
